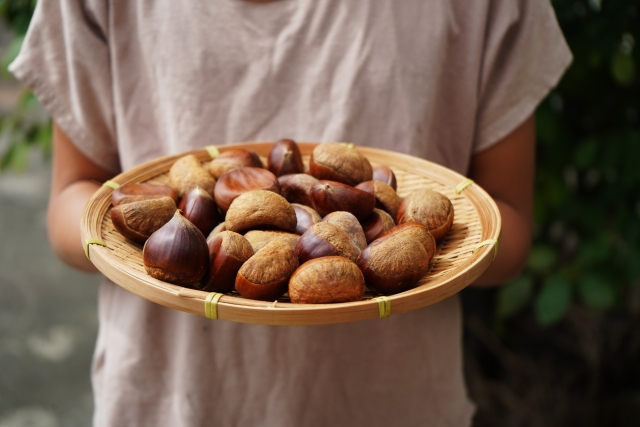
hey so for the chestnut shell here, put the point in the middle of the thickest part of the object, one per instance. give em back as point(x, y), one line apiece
point(393, 264)
point(177, 253)
point(331, 196)
point(240, 180)
point(285, 158)
point(326, 280)
point(141, 191)
point(199, 207)
point(227, 252)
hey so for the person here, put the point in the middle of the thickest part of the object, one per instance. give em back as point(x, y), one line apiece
point(451, 81)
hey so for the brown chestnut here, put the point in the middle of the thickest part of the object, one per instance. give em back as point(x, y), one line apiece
point(285, 158)
point(393, 263)
point(138, 220)
point(227, 252)
point(141, 191)
point(377, 223)
point(187, 173)
point(331, 196)
point(240, 180)
point(296, 188)
point(338, 162)
point(326, 280)
point(200, 208)
point(231, 159)
point(385, 174)
point(260, 209)
point(177, 253)
point(417, 231)
point(305, 217)
point(429, 208)
point(348, 223)
point(266, 274)
point(258, 239)
point(386, 197)
point(218, 229)
point(324, 239)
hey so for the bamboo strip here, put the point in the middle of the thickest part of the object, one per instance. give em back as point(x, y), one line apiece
point(454, 266)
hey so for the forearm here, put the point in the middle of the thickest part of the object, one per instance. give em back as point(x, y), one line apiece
point(63, 220)
point(513, 249)
point(74, 180)
point(506, 171)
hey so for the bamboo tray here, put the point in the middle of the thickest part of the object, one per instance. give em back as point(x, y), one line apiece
point(464, 254)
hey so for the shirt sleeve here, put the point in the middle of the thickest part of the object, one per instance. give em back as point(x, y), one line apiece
point(65, 61)
point(525, 54)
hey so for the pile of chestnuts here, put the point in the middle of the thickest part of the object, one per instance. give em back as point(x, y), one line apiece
point(321, 232)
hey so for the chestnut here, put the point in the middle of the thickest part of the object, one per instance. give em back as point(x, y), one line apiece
point(326, 280)
point(200, 208)
point(324, 239)
point(141, 191)
point(348, 223)
point(258, 239)
point(240, 180)
point(231, 159)
point(305, 217)
point(266, 274)
point(218, 229)
point(296, 188)
point(138, 220)
point(377, 223)
point(339, 162)
point(385, 174)
point(393, 263)
point(187, 173)
point(386, 197)
point(177, 253)
point(260, 209)
point(331, 196)
point(429, 208)
point(227, 252)
point(285, 158)
point(417, 231)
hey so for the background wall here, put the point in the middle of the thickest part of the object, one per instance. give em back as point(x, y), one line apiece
point(558, 346)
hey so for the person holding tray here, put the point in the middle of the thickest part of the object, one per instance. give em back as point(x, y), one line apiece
point(453, 82)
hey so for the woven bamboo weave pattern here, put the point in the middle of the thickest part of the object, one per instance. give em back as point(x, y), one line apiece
point(454, 266)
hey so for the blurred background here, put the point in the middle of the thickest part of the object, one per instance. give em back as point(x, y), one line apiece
point(559, 346)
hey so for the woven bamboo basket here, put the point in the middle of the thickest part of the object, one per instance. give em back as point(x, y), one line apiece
point(464, 254)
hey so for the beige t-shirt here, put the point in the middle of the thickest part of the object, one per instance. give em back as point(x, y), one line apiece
point(129, 81)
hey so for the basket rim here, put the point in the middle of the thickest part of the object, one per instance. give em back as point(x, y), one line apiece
point(281, 313)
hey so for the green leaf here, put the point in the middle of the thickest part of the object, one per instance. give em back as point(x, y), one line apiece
point(20, 157)
point(593, 250)
point(542, 257)
point(10, 54)
point(514, 296)
point(623, 69)
point(596, 293)
point(553, 300)
point(585, 154)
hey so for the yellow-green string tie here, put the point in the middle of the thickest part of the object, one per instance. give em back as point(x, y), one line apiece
point(384, 306)
point(211, 305)
point(212, 150)
point(493, 242)
point(463, 184)
point(111, 184)
point(88, 242)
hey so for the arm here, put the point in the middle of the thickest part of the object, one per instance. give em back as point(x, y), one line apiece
point(506, 171)
point(75, 179)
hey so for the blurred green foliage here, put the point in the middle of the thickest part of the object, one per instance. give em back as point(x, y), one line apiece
point(25, 127)
point(587, 237)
